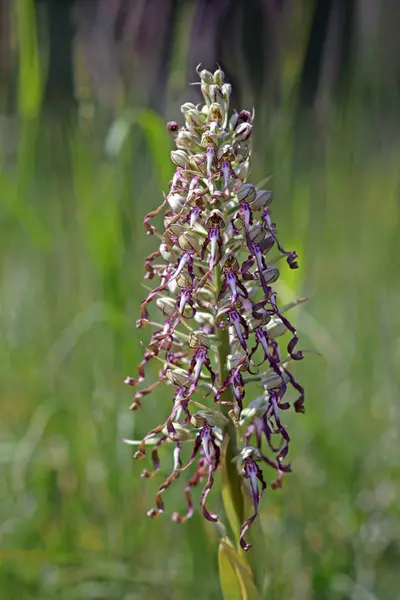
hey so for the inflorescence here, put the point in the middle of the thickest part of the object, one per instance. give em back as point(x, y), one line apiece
point(220, 320)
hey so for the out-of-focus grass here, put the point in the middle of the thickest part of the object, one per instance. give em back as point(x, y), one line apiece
point(72, 504)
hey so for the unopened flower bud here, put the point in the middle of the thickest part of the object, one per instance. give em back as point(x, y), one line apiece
point(245, 116)
point(177, 376)
point(262, 200)
point(175, 229)
point(183, 280)
point(246, 193)
point(176, 202)
point(233, 121)
point(243, 131)
point(227, 301)
point(185, 140)
point(271, 274)
point(273, 381)
point(180, 158)
point(167, 253)
point(240, 360)
point(204, 90)
point(187, 106)
point(203, 318)
point(205, 76)
point(167, 305)
point(226, 91)
point(257, 233)
point(275, 328)
point(262, 315)
point(219, 77)
point(167, 220)
point(199, 338)
point(190, 241)
point(259, 321)
point(198, 163)
point(172, 286)
point(194, 118)
point(203, 417)
point(216, 98)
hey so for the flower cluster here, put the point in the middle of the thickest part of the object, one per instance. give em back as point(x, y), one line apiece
point(214, 270)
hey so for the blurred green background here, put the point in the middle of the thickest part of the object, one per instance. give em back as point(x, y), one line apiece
point(85, 88)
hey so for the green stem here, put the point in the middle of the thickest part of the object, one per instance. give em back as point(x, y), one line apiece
point(232, 449)
point(233, 497)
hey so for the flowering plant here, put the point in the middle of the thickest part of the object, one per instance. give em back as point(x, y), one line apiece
point(214, 269)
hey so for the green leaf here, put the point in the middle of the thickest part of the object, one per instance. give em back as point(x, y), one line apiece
point(236, 578)
point(228, 577)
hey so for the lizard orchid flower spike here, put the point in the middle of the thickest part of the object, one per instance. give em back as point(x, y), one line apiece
point(216, 336)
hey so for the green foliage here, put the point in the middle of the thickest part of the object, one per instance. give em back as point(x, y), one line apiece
point(235, 576)
point(30, 74)
point(155, 134)
point(72, 504)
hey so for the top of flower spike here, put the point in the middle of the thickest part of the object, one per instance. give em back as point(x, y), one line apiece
point(220, 316)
